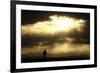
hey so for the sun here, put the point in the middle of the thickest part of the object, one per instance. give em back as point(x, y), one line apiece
point(64, 23)
point(59, 21)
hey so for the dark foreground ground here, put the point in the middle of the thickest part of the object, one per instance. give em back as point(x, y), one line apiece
point(25, 60)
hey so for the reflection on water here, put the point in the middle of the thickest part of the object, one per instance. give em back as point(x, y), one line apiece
point(56, 50)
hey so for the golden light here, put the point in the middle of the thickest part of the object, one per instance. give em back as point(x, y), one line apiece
point(56, 24)
point(63, 23)
point(60, 22)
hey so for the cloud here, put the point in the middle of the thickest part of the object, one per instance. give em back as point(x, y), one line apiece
point(62, 37)
point(56, 24)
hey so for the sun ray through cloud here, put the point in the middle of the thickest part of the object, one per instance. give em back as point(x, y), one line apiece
point(56, 24)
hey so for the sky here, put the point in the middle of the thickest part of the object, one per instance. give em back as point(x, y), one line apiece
point(62, 34)
point(44, 25)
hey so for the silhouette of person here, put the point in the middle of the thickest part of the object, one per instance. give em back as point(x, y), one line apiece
point(44, 54)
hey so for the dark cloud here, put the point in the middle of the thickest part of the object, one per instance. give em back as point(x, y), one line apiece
point(30, 17)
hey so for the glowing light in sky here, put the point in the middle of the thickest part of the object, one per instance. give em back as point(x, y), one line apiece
point(56, 24)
